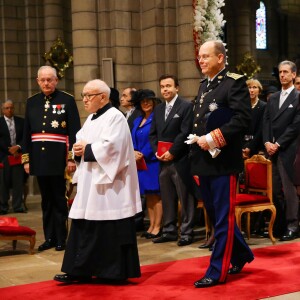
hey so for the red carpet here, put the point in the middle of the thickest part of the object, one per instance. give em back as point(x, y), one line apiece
point(275, 271)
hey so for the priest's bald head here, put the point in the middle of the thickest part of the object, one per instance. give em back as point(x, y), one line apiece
point(95, 95)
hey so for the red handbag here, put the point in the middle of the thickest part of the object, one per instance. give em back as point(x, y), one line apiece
point(14, 160)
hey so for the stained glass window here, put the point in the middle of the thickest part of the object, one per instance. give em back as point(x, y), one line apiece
point(261, 28)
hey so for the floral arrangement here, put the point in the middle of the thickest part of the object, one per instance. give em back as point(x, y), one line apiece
point(208, 21)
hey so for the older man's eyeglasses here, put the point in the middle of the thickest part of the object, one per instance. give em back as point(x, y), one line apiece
point(89, 96)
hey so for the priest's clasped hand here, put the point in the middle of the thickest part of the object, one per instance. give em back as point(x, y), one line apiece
point(79, 148)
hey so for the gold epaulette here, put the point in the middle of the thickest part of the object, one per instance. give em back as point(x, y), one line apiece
point(25, 158)
point(70, 155)
point(235, 76)
point(67, 93)
point(34, 95)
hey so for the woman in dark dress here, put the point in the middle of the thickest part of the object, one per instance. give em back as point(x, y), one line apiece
point(145, 100)
point(253, 139)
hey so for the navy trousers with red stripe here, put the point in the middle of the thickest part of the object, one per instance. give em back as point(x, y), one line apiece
point(218, 193)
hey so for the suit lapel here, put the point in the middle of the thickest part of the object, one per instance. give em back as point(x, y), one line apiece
point(173, 111)
point(288, 101)
point(4, 124)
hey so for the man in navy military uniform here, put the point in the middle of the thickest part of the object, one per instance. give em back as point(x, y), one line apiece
point(51, 122)
point(222, 113)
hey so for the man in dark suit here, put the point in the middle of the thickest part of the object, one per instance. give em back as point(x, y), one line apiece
point(172, 122)
point(51, 122)
point(222, 113)
point(11, 133)
point(131, 112)
point(280, 132)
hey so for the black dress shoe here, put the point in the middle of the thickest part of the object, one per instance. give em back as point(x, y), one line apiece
point(289, 236)
point(46, 245)
point(67, 278)
point(204, 246)
point(145, 234)
point(208, 244)
point(184, 242)
point(153, 236)
point(205, 282)
point(60, 247)
point(238, 268)
point(165, 237)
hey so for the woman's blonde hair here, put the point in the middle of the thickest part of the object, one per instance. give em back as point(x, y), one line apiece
point(250, 82)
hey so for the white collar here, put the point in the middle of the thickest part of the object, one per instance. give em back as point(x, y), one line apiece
point(172, 101)
point(288, 91)
point(8, 119)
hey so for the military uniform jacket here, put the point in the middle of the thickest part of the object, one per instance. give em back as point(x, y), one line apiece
point(229, 91)
point(282, 125)
point(55, 114)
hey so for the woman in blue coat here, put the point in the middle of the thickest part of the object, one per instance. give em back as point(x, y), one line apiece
point(147, 163)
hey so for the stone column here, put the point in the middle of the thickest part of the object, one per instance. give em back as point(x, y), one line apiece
point(53, 27)
point(85, 46)
point(53, 22)
point(188, 73)
point(240, 26)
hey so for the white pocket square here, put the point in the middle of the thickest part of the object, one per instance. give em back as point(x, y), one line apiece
point(290, 106)
point(176, 116)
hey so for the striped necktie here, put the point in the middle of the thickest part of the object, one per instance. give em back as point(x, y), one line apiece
point(168, 109)
point(12, 131)
point(282, 98)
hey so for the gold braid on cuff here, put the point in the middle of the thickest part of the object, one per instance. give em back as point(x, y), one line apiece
point(25, 158)
point(70, 155)
point(218, 138)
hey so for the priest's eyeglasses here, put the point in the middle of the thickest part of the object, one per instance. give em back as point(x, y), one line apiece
point(89, 97)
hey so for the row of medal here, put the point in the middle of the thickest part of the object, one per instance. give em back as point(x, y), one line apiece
point(56, 108)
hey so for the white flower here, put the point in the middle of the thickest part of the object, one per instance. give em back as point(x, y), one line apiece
point(208, 21)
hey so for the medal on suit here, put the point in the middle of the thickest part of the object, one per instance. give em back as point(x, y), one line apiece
point(58, 106)
point(47, 104)
point(202, 97)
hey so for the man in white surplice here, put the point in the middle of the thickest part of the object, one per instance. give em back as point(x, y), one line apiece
point(102, 240)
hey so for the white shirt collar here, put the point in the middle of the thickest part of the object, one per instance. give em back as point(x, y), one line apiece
point(8, 119)
point(172, 101)
point(288, 90)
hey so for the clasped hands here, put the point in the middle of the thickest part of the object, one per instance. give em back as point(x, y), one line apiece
point(167, 156)
point(271, 148)
point(138, 155)
point(13, 150)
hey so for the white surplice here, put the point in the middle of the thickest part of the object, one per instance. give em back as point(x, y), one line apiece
point(108, 188)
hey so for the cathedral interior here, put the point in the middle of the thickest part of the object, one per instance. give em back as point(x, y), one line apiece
point(133, 42)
